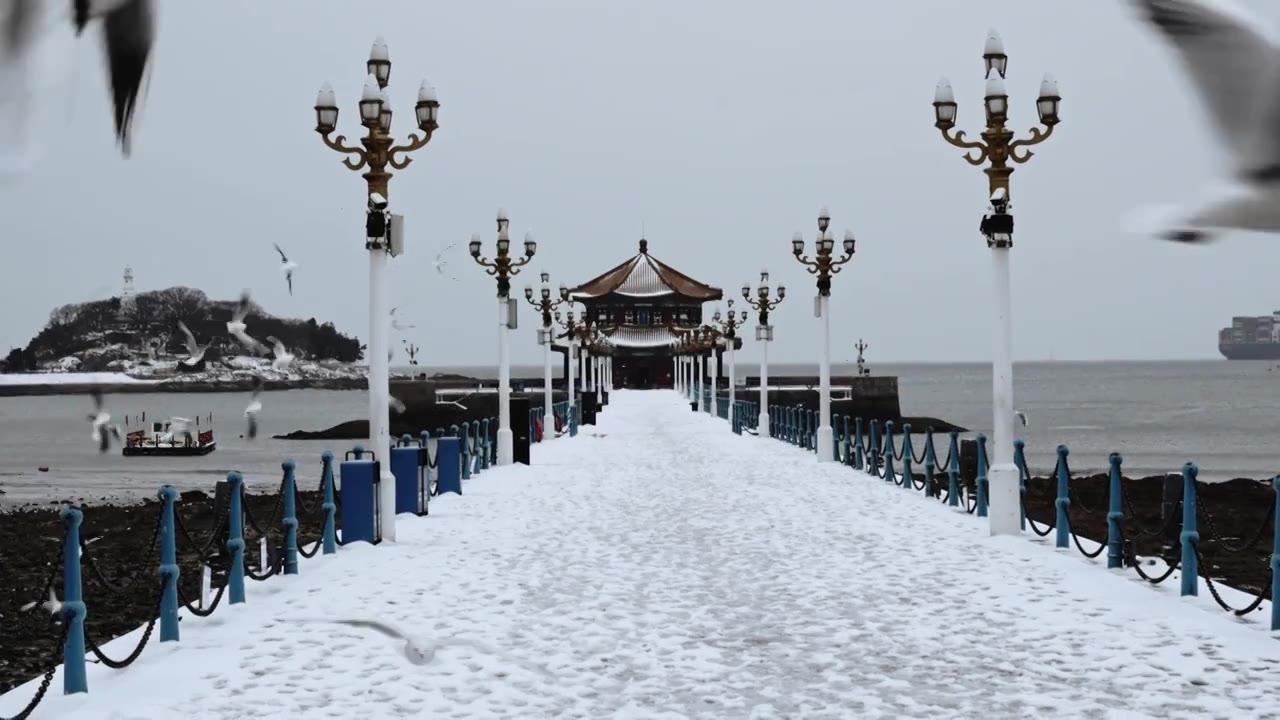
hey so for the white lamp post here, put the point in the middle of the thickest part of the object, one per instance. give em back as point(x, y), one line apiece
point(824, 266)
point(998, 147)
point(503, 267)
point(546, 306)
point(381, 236)
point(764, 335)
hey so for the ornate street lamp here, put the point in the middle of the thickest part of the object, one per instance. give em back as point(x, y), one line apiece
point(824, 265)
point(571, 332)
point(729, 328)
point(504, 267)
point(997, 147)
point(378, 150)
point(546, 335)
point(764, 335)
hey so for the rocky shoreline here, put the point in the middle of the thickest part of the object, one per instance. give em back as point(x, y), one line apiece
point(123, 549)
point(181, 386)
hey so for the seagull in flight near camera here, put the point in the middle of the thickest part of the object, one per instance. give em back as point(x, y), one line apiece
point(128, 34)
point(237, 329)
point(103, 430)
point(255, 406)
point(1232, 61)
point(282, 355)
point(287, 267)
point(195, 353)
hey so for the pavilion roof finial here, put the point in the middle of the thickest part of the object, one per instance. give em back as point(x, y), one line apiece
point(644, 246)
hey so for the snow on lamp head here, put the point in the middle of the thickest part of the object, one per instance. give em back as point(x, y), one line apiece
point(944, 105)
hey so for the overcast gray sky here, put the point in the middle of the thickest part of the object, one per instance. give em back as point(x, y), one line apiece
point(724, 126)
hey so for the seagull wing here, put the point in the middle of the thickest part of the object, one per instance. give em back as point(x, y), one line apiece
point(253, 426)
point(242, 309)
point(396, 403)
point(18, 24)
point(128, 34)
point(192, 347)
point(289, 279)
point(278, 346)
point(257, 388)
point(1229, 58)
point(375, 625)
point(283, 257)
point(249, 343)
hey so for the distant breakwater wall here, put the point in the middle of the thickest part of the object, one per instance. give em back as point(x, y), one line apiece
point(184, 386)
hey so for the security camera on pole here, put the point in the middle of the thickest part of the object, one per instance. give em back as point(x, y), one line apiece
point(503, 267)
point(999, 147)
point(546, 306)
point(824, 266)
point(764, 335)
point(384, 235)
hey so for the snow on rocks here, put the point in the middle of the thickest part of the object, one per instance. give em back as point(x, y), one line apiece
point(660, 566)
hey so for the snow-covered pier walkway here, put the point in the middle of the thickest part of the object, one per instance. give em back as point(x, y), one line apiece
point(660, 566)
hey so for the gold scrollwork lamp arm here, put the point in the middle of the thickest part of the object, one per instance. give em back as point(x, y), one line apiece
point(340, 144)
point(1037, 136)
point(957, 138)
point(413, 142)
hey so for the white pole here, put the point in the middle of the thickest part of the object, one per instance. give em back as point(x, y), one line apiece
point(713, 363)
point(733, 377)
point(586, 370)
point(762, 422)
point(572, 379)
point(582, 369)
point(548, 414)
point(702, 403)
point(505, 440)
point(609, 371)
point(598, 375)
point(826, 451)
point(379, 390)
point(1003, 497)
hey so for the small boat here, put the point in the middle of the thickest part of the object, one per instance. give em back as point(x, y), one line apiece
point(170, 438)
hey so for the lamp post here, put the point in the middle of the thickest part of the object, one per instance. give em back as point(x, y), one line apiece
point(764, 335)
point(824, 265)
point(729, 328)
point(546, 306)
point(504, 268)
point(997, 147)
point(570, 327)
point(379, 149)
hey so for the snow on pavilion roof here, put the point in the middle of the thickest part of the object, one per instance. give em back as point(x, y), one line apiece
point(643, 336)
point(644, 276)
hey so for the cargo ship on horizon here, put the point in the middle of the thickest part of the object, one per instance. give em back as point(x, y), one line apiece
point(1251, 338)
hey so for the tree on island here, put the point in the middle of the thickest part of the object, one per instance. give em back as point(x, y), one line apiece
point(89, 329)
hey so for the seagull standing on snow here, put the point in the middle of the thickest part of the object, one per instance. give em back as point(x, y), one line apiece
point(236, 326)
point(282, 357)
point(255, 405)
point(1232, 61)
point(287, 267)
point(195, 353)
point(419, 651)
point(102, 430)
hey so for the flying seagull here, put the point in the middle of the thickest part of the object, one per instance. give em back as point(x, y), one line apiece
point(128, 33)
point(195, 353)
point(282, 356)
point(255, 405)
point(287, 267)
point(420, 651)
point(237, 329)
point(438, 264)
point(396, 323)
point(1021, 416)
point(1230, 58)
point(396, 404)
point(53, 605)
point(101, 419)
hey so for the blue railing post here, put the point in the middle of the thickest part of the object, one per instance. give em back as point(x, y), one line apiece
point(859, 460)
point(1063, 501)
point(330, 534)
point(874, 460)
point(1190, 535)
point(908, 483)
point(466, 450)
point(953, 470)
point(1115, 514)
point(848, 442)
point(73, 672)
point(1275, 556)
point(1020, 461)
point(930, 463)
point(235, 539)
point(290, 522)
point(981, 509)
point(168, 566)
point(889, 474)
point(484, 444)
point(475, 447)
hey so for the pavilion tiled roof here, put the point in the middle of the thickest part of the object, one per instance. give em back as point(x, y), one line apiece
point(643, 336)
point(644, 276)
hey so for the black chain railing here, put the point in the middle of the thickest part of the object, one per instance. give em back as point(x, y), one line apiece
point(43, 690)
point(194, 608)
point(1221, 542)
point(1213, 590)
point(95, 571)
point(103, 658)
